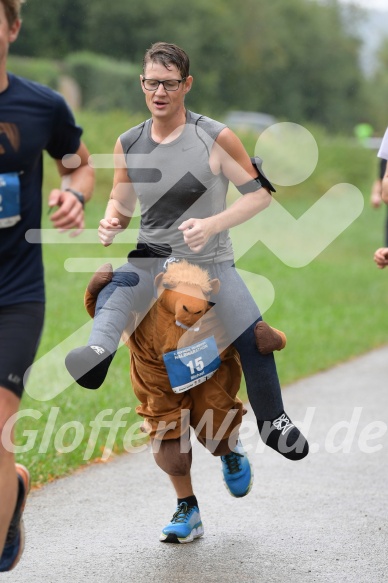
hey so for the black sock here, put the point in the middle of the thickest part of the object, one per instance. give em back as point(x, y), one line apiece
point(190, 501)
point(88, 365)
point(281, 435)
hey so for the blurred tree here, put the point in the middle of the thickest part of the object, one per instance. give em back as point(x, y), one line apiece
point(52, 29)
point(204, 33)
point(378, 91)
point(295, 60)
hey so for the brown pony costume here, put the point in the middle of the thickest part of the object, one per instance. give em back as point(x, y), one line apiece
point(173, 321)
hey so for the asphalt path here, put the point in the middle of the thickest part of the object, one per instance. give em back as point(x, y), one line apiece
point(322, 519)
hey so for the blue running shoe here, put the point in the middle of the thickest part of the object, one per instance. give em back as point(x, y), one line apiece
point(14, 543)
point(237, 472)
point(185, 525)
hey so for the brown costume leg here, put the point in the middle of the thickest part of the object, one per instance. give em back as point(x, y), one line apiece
point(269, 339)
point(176, 463)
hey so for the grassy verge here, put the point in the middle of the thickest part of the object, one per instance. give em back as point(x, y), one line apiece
point(331, 309)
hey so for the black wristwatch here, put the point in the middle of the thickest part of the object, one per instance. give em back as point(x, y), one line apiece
point(77, 194)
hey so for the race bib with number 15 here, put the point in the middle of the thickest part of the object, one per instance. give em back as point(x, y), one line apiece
point(190, 366)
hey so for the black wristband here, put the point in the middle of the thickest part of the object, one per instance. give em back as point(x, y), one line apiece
point(78, 195)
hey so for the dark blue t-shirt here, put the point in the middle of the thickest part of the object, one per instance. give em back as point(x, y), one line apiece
point(33, 118)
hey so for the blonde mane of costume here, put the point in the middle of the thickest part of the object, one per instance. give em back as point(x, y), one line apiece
point(183, 272)
point(184, 290)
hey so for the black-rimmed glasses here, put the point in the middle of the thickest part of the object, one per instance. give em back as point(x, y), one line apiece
point(168, 84)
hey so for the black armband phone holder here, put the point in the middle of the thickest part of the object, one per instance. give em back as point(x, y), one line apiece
point(256, 183)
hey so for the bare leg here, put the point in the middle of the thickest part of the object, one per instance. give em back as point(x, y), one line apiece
point(186, 524)
point(182, 485)
point(237, 471)
point(219, 448)
point(175, 463)
point(9, 404)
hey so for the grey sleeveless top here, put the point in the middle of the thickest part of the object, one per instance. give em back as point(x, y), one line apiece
point(174, 182)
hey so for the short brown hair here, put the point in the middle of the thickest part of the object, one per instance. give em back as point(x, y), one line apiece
point(168, 54)
point(12, 9)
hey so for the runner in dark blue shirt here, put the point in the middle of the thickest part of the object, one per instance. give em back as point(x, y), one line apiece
point(33, 118)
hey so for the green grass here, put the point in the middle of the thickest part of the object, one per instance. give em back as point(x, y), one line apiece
point(331, 310)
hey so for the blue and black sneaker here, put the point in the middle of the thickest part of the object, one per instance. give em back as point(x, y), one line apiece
point(237, 472)
point(185, 526)
point(14, 543)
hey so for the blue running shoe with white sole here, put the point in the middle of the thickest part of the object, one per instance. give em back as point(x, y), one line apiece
point(14, 544)
point(185, 526)
point(237, 472)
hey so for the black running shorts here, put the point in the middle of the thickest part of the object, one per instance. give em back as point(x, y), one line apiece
point(20, 331)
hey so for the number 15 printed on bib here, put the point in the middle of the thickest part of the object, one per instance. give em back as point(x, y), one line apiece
point(192, 365)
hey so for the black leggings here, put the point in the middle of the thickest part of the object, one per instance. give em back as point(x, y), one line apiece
point(20, 331)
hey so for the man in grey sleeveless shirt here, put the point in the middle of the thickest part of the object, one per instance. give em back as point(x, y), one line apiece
point(178, 165)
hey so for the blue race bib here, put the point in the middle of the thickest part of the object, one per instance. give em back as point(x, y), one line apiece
point(190, 366)
point(9, 199)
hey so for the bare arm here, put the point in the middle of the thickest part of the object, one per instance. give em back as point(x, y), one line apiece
point(70, 214)
point(375, 195)
point(121, 203)
point(230, 158)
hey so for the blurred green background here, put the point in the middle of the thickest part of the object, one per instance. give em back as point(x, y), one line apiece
point(299, 60)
